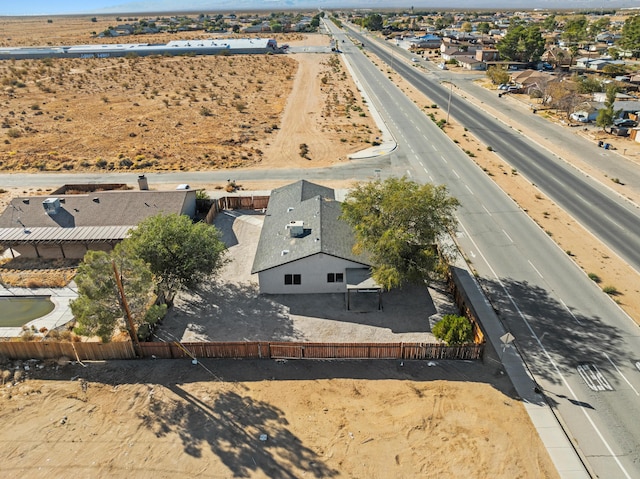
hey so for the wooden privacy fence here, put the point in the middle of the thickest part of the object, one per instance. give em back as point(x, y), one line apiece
point(295, 350)
point(232, 203)
point(238, 350)
point(72, 350)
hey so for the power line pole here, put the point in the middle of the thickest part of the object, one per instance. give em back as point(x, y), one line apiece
point(123, 299)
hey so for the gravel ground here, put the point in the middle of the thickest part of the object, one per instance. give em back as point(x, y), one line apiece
point(230, 308)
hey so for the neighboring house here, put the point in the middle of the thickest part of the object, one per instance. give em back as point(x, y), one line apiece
point(67, 226)
point(425, 41)
point(597, 64)
point(305, 247)
point(470, 63)
point(590, 109)
point(487, 55)
point(531, 81)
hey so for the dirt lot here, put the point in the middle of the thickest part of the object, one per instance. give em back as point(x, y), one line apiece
point(350, 419)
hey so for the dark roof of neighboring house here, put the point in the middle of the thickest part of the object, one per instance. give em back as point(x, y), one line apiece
point(324, 231)
point(97, 216)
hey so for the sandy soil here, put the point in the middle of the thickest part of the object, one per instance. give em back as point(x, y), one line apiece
point(352, 419)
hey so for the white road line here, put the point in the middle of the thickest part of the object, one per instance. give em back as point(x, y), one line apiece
point(488, 212)
point(443, 158)
point(456, 173)
point(536, 269)
point(431, 179)
point(620, 373)
point(549, 358)
point(594, 378)
point(507, 235)
point(570, 312)
point(408, 173)
point(425, 170)
point(467, 187)
point(617, 224)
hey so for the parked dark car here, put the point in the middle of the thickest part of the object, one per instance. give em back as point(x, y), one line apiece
point(625, 123)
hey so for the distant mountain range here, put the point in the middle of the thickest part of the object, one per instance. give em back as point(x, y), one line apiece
point(157, 6)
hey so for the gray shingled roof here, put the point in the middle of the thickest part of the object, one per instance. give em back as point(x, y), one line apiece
point(104, 215)
point(324, 232)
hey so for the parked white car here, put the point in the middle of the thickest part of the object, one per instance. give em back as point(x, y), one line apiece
point(579, 117)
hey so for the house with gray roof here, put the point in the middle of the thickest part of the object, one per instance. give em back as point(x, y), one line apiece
point(68, 225)
point(305, 247)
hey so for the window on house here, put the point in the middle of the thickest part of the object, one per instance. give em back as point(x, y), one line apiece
point(335, 277)
point(292, 279)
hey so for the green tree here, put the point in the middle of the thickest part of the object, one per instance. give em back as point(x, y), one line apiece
point(398, 223)
point(631, 35)
point(590, 84)
point(607, 114)
point(467, 27)
point(179, 253)
point(575, 29)
point(484, 27)
point(373, 22)
point(453, 329)
point(550, 23)
point(599, 26)
point(522, 43)
point(98, 309)
point(498, 75)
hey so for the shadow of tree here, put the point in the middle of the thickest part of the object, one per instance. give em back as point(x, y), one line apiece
point(232, 427)
point(220, 311)
point(569, 338)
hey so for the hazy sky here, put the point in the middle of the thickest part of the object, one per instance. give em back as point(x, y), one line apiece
point(52, 7)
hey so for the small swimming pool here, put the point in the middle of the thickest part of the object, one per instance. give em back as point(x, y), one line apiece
point(16, 311)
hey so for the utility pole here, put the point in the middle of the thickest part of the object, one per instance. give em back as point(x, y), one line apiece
point(132, 329)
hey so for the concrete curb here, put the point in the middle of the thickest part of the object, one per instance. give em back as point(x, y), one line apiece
point(562, 452)
point(388, 142)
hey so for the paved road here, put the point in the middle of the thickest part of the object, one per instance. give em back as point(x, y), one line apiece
point(581, 348)
point(612, 219)
point(354, 169)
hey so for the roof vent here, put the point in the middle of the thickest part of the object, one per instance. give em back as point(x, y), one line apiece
point(289, 209)
point(51, 206)
point(96, 199)
point(296, 229)
point(26, 201)
point(284, 252)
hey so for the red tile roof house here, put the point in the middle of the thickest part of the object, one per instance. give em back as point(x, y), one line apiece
point(68, 225)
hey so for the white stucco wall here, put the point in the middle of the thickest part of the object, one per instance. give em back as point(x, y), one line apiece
point(313, 271)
